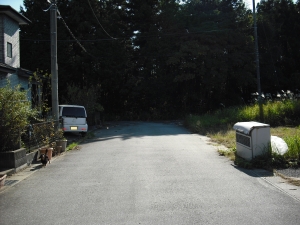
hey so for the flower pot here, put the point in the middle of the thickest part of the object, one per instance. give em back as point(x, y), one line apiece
point(47, 151)
point(2, 180)
point(58, 150)
point(63, 144)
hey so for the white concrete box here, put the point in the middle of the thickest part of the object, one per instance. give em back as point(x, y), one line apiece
point(252, 139)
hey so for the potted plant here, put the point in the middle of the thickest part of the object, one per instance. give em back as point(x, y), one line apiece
point(61, 141)
point(47, 146)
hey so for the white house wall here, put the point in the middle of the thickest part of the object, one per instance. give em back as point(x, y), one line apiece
point(11, 35)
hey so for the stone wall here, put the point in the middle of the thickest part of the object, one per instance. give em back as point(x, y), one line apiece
point(13, 159)
point(17, 160)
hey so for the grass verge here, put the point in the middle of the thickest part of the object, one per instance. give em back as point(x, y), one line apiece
point(284, 121)
point(75, 145)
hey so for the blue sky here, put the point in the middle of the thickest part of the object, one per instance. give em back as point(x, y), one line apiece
point(16, 3)
point(13, 3)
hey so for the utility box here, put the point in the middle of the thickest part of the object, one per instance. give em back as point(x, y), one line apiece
point(252, 139)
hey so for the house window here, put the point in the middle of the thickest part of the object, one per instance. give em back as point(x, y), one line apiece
point(9, 50)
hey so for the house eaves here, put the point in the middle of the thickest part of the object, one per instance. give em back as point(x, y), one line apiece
point(12, 13)
point(24, 73)
point(6, 68)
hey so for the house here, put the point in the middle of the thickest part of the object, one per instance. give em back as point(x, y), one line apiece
point(10, 69)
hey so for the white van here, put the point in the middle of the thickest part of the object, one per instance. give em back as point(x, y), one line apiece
point(74, 118)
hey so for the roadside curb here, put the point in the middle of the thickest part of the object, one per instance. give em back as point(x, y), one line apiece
point(276, 179)
point(281, 183)
point(16, 178)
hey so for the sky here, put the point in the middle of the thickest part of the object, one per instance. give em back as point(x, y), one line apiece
point(13, 3)
point(17, 3)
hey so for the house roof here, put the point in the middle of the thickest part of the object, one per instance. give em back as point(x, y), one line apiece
point(6, 68)
point(24, 73)
point(12, 13)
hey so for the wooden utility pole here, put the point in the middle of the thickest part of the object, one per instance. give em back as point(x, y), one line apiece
point(261, 115)
point(54, 67)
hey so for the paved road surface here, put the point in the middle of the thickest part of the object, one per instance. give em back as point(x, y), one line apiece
point(146, 173)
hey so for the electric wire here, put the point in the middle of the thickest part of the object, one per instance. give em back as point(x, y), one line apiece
point(149, 37)
point(73, 36)
point(99, 21)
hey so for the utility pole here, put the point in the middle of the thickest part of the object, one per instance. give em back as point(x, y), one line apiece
point(261, 115)
point(54, 72)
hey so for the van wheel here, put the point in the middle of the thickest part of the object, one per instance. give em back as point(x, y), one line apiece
point(83, 134)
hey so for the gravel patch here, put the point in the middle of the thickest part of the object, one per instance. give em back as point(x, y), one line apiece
point(290, 172)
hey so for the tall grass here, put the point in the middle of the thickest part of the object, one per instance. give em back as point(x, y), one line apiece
point(293, 143)
point(275, 113)
point(283, 118)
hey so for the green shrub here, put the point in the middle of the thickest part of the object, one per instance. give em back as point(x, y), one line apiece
point(15, 113)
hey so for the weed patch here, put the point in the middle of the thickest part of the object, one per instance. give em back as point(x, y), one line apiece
point(75, 145)
point(218, 126)
point(72, 146)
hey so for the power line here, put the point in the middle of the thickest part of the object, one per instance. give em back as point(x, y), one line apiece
point(73, 36)
point(71, 32)
point(160, 35)
point(99, 21)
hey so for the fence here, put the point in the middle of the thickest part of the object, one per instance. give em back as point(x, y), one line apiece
point(41, 134)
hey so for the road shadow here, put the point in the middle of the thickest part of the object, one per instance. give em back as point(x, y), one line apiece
point(36, 166)
point(127, 130)
point(255, 172)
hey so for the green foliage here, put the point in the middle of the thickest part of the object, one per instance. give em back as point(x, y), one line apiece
point(72, 146)
point(293, 143)
point(230, 153)
point(270, 160)
point(275, 113)
point(49, 132)
point(264, 160)
point(242, 163)
point(41, 96)
point(15, 114)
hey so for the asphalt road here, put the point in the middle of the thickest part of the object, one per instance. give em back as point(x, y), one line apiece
point(146, 173)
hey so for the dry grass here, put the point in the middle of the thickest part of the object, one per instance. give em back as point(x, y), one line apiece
point(224, 137)
point(293, 181)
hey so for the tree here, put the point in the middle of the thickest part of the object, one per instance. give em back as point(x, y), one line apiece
point(154, 59)
point(279, 44)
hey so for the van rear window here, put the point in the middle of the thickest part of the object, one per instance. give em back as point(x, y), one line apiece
point(73, 112)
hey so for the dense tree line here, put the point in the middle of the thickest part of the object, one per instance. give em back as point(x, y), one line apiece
point(159, 59)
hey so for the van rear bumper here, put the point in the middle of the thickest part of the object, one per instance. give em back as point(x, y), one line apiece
point(75, 128)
